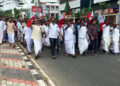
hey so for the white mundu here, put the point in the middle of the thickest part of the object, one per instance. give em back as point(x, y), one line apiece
point(19, 26)
point(106, 37)
point(69, 41)
point(28, 32)
point(82, 39)
point(46, 39)
point(1, 30)
point(115, 39)
point(37, 38)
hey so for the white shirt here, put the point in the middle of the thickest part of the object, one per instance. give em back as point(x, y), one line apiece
point(46, 29)
point(28, 32)
point(82, 32)
point(116, 34)
point(106, 31)
point(19, 25)
point(2, 24)
point(53, 31)
point(69, 33)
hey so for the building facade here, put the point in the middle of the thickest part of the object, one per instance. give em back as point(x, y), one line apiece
point(50, 7)
point(74, 5)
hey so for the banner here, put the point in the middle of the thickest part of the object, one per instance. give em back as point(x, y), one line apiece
point(98, 1)
point(36, 9)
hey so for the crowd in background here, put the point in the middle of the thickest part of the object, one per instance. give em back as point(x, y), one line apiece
point(80, 36)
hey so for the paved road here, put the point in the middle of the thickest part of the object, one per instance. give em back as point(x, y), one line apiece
point(83, 71)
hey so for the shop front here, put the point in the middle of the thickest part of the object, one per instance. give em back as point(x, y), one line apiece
point(111, 14)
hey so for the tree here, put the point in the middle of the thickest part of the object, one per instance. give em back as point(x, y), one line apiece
point(17, 13)
point(103, 6)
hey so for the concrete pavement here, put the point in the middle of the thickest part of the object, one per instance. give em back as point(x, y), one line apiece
point(16, 69)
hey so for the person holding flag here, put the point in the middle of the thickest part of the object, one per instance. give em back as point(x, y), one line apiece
point(37, 37)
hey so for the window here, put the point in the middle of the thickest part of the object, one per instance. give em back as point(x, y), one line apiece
point(32, 1)
point(57, 8)
point(52, 8)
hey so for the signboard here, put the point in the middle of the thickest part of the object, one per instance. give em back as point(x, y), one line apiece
point(98, 1)
point(36, 9)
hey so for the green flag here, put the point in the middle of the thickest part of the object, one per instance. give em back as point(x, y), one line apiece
point(67, 8)
point(57, 18)
point(89, 5)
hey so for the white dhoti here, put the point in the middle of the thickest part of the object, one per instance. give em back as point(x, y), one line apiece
point(1, 36)
point(70, 47)
point(106, 44)
point(29, 43)
point(18, 35)
point(116, 39)
point(37, 46)
point(47, 41)
point(116, 47)
point(83, 45)
point(11, 38)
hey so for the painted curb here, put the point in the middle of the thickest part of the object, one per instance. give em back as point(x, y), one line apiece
point(50, 82)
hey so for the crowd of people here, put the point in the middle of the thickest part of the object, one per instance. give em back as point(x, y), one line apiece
point(78, 35)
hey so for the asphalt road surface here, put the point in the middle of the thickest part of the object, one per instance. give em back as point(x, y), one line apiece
point(103, 70)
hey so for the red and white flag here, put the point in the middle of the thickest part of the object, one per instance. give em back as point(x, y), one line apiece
point(90, 16)
point(60, 20)
point(101, 21)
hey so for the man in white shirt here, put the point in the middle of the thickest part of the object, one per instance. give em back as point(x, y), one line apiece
point(69, 39)
point(106, 37)
point(1, 29)
point(82, 38)
point(19, 31)
point(54, 33)
point(115, 40)
point(27, 36)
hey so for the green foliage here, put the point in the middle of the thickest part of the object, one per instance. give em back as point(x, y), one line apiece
point(103, 5)
point(9, 13)
point(17, 13)
point(6, 13)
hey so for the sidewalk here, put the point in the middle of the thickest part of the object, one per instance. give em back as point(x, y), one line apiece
point(16, 69)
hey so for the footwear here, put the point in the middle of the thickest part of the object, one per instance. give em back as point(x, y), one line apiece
point(73, 56)
point(29, 53)
point(66, 54)
point(95, 55)
point(54, 57)
point(115, 54)
point(36, 57)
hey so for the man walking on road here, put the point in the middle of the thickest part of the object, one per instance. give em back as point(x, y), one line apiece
point(94, 37)
point(27, 36)
point(11, 32)
point(1, 29)
point(37, 38)
point(69, 39)
point(54, 33)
